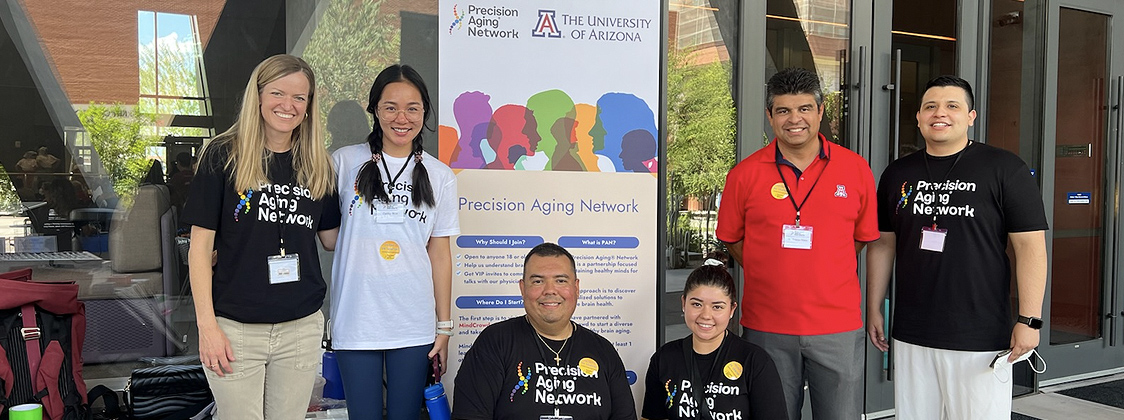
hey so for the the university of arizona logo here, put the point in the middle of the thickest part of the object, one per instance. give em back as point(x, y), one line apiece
point(546, 26)
point(524, 381)
point(904, 200)
point(841, 191)
point(457, 19)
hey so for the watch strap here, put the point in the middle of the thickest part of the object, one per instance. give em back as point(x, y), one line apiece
point(1030, 321)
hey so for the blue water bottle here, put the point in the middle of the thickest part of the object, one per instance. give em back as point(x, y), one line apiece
point(437, 403)
point(333, 386)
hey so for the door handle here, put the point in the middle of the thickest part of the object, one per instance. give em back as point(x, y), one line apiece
point(897, 102)
point(860, 106)
point(1117, 130)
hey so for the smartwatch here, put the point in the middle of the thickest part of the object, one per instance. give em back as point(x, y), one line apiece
point(1030, 321)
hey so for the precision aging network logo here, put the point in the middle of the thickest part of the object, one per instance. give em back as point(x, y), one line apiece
point(904, 200)
point(457, 19)
point(524, 381)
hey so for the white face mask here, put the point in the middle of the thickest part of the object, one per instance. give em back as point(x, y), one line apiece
point(1002, 368)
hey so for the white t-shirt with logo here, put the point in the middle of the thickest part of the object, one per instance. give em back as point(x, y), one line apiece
point(382, 280)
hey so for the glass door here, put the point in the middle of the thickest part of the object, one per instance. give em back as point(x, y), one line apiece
point(904, 44)
point(1081, 155)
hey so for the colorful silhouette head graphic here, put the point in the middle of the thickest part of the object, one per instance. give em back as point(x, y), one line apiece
point(548, 107)
point(617, 115)
point(511, 125)
point(585, 117)
point(471, 109)
point(565, 156)
point(551, 133)
point(638, 151)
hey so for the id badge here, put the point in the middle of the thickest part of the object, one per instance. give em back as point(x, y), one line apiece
point(932, 239)
point(556, 416)
point(797, 237)
point(390, 213)
point(284, 269)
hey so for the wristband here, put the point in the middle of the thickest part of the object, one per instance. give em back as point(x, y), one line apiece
point(445, 332)
point(445, 324)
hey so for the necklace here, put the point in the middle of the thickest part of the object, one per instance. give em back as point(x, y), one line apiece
point(557, 354)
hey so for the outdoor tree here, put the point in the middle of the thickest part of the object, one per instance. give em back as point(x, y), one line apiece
point(700, 123)
point(352, 43)
point(701, 132)
point(170, 68)
point(9, 199)
point(119, 138)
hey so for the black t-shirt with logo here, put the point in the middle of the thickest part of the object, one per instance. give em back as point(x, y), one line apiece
point(509, 374)
point(248, 226)
point(742, 384)
point(960, 298)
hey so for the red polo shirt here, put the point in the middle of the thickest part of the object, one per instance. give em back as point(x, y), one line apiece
point(800, 291)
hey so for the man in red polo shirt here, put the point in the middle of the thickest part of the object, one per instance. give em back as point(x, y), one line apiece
point(795, 214)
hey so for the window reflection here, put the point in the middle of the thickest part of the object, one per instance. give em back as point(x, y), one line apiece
point(701, 131)
point(813, 34)
point(98, 105)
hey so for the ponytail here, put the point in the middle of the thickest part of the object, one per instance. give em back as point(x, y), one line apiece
point(423, 189)
point(368, 183)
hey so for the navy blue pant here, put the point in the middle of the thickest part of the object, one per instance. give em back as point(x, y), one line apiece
point(362, 374)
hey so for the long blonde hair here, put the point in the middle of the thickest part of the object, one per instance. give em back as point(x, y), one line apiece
point(249, 158)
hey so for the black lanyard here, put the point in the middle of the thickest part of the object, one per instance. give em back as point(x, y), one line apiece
point(929, 172)
point(789, 191)
point(573, 332)
point(390, 187)
point(703, 411)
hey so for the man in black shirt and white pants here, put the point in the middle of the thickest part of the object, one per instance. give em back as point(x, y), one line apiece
point(947, 214)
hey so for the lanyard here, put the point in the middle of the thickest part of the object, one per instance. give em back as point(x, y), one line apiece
point(573, 332)
point(703, 411)
point(929, 172)
point(789, 191)
point(390, 187)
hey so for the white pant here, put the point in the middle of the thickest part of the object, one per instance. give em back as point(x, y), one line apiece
point(932, 384)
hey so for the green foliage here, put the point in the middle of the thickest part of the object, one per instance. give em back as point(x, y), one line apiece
point(119, 138)
point(833, 113)
point(9, 199)
point(701, 125)
point(175, 72)
point(352, 43)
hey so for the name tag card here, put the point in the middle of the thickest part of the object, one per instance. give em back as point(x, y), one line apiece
point(932, 239)
point(284, 269)
point(390, 213)
point(797, 237)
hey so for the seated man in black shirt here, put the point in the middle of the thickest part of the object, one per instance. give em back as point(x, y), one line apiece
point(543, 364)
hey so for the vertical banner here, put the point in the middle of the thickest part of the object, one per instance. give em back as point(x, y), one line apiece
point(548, 115)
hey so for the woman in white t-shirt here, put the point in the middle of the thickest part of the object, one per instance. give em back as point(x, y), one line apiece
point(392, 274)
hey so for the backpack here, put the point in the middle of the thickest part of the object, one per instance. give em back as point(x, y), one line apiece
point(42, 328)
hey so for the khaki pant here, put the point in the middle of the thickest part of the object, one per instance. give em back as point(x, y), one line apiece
point(274, 369)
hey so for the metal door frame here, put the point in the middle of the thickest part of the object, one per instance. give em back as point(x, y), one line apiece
point(1097, 357)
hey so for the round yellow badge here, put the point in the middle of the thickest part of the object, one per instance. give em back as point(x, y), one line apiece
point(732, 370)
point(389, 250)
point(588, 366)
point(779, 191)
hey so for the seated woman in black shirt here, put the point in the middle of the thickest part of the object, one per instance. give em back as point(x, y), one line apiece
point(733, 378)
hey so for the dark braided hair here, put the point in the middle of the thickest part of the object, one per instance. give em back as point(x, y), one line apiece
point(369, 182)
